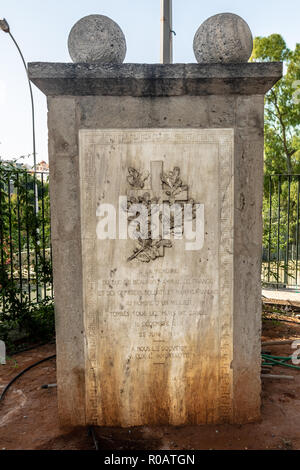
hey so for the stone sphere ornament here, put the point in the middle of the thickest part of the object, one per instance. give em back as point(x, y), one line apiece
point(224, 38)
point(97, 39)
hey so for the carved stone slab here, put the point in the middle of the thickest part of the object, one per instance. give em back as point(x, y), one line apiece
point(158, 335)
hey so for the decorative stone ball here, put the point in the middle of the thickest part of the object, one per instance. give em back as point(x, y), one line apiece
point(97, 38)
point(223, 38)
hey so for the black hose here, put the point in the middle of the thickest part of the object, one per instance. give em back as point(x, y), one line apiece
point(23, 372)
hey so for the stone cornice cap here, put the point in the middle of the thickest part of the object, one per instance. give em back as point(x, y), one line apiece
point(81, 79)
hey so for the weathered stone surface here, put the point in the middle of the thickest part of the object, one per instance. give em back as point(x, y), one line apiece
point(67, 116)
point(67, 267)
point(97, 38)
point(159, 334)
point(224, 38)
point(154, 80)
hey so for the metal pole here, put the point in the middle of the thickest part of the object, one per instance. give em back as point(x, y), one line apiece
point(166, 33)
point(5, 27)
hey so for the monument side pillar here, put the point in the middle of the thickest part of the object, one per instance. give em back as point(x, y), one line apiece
point(248, 231)
point(66, 254)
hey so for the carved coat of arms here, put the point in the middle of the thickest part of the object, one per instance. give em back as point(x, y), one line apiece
point(167, 189)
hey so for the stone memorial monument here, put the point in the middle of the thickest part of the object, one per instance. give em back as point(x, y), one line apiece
point(156, 180)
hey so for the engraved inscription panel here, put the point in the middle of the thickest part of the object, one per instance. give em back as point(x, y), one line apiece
point(158, 334)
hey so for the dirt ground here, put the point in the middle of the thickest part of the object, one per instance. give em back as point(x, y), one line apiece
point(28, 414)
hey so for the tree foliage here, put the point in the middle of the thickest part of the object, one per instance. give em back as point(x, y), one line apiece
point(282, 112)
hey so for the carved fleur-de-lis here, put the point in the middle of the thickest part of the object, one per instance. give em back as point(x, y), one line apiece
point(136, 179)
point(174, 182)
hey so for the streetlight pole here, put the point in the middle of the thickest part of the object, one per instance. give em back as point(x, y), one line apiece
point(5, 27)
point(166, 33)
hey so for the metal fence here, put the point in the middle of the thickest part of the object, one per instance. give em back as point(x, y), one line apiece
point(281, 250)
point(26, 255)
point(25, 251)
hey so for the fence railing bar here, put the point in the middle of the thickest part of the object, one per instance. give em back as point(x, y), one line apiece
point(51, 260)
point(297, 227)
point(284, 175)
point(19, 239)
point(278, 230)
point(10, 231)
point(27, 237)
point(36, 236)
point(286, 269)
point(1, 233)
point(52, 290)
point(270, 227)
point(1, 223)
point(43, 232)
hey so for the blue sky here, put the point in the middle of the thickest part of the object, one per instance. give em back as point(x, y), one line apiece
point(42, 28)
